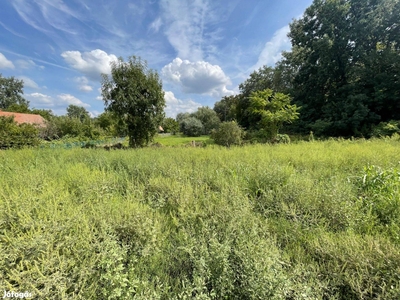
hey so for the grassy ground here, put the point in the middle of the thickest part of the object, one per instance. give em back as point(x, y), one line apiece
point(316, 220)
point(179, 140)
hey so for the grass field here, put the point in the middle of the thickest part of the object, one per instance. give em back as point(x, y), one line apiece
point(317, 220)
point(178, 140)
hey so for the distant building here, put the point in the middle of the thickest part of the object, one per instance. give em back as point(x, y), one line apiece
point(25, 118)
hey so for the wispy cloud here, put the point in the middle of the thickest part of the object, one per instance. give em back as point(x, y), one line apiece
point(29, 83)
point(185, 23)
point(37, 60)
point(271, 53)
point(45, 15)
point(5, 63)
point(197, 77)
point(12, 31)
point(156, 24)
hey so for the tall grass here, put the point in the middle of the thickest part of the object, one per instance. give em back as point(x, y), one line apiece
point(314, 220)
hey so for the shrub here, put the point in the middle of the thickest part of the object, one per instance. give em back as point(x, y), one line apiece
point(13, 135)
point(386, 128)
point(229, 133)
point(192, 127)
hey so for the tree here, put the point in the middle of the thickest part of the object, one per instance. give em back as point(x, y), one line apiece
point(77, 112)
point(346, 59)
point(192, 127)
point(273, 110)
point(277, 79)
point(134, 93)
point(11, 92)
point(228, 134)
point(181, 116)
point(170, 125)
point(226, 108)
point(208, 117)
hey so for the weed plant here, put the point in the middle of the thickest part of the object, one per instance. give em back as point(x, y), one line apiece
point(311, 220)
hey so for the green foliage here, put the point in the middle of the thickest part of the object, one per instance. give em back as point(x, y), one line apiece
point(346, 59)
point(208, 118)
point(77, 112)
point(19, 108)
point(170, 125)
point(273, 110)
point(228, 134)
point(380, 198)
point(191, 126)
point(13, 135)
point(64, 126)
point(111, 124)
point(386, 129)
point(277, 79)
point(226, 108)
point(255, 222)
point(179, 140)
point(134, 93)
point(11, 92)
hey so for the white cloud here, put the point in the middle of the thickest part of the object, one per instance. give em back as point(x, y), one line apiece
point(28, 82)
point(83, 84)
point(5, 63)
point(58, 104)
point(175, 106)
point(67, 99)
point(271, 53)
point(91, 64)
point(40, 100)
point(197, 77)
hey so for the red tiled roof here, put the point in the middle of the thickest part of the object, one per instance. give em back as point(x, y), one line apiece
point(25, 118)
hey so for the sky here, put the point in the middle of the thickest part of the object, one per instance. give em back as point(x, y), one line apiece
point(202, 49)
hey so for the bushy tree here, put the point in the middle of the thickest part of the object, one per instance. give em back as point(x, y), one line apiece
point(11, 91)
point(228, 134)
point(13, 135)
point(273, 110)
point(192, 126)
point(134, 93)
point(170, 125)
point(208, 117)
point(77, 112)
point(181, 116)
point(277, 79)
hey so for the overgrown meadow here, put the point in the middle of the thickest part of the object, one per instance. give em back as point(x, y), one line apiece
point(311, 220)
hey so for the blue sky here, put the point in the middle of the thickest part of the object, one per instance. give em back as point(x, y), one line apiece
point(202, 49)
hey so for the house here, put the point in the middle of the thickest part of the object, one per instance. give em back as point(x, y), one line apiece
point(25, 118)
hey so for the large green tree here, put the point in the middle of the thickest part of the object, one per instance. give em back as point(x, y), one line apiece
point(134, 93)
point(77, 112)
point(11, 91)
point(208, 117)
point(346, 60)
